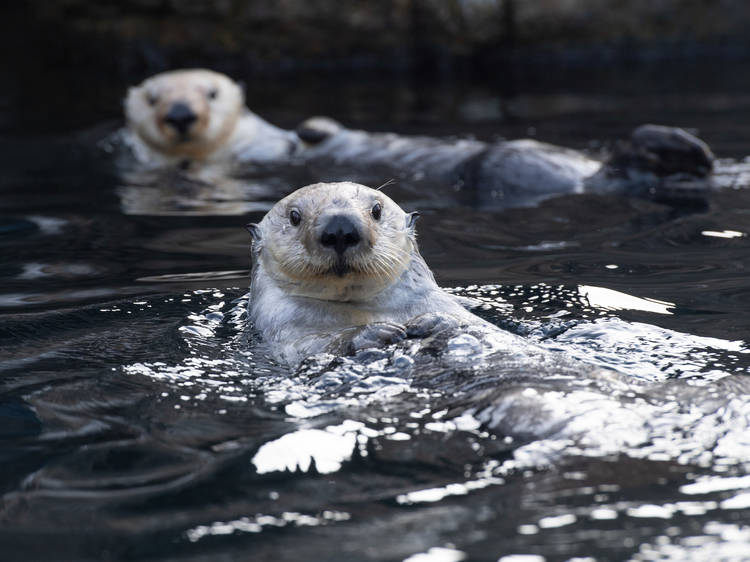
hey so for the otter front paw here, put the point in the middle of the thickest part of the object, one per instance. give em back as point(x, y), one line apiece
point(353, 340)
point(430, 323)
point(377, 335)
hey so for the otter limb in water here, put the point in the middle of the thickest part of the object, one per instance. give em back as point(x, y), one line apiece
point(336, 267)
point(657, 162)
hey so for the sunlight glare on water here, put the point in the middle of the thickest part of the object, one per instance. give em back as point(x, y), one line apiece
point(609, 299)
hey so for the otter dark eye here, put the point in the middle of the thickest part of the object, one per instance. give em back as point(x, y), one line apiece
point(212, 94)
point(376, 211)
point(152, 99)
point(294, 217)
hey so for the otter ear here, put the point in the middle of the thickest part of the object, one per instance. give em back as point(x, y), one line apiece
point(130, 93)
point(254, 231)
point(411, 220)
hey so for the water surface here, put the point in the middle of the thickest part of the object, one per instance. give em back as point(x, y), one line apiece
point(141, 421)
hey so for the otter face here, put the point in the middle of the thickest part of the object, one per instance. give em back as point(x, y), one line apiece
point(185, 113)
point(336, 242)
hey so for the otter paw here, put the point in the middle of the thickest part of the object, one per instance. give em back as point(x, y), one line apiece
point(671, 150)
point(317, 129)
point(377, 335)
point(429, 324)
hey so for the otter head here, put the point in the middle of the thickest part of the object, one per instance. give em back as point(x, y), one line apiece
point(335, 241)
point(185, 113)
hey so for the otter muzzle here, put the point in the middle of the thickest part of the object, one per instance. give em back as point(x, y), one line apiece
point(180, 117)
point(340, 233)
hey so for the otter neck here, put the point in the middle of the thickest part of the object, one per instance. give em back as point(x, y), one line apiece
point(275, 312)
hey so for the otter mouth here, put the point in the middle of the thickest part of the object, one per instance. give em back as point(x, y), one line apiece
point(341, 267)
point(183, 136)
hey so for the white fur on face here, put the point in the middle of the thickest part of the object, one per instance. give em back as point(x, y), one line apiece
point(216, 101)
point(294, 257)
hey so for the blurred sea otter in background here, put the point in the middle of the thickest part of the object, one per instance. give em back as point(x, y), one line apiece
point(198, 115)
point(191, 118)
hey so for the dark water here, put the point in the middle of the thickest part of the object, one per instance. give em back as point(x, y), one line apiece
point(138, 422)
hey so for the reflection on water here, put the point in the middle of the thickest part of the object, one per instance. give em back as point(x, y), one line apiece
point(325, 449)
point(141, 421)
point(601, 297)
point(183, 195)
point(724, 234)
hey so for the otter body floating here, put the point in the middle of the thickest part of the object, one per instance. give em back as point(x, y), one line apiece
point(186, 116)
point(663, 163)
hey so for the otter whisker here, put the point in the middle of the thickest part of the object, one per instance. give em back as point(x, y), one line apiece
point(386, 184)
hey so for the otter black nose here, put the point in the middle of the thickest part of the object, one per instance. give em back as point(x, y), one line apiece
point(340, 233)
point(180, 116)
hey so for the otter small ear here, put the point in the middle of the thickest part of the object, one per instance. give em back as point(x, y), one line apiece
point(130, 93)
point(254, 231)
point(411, 220)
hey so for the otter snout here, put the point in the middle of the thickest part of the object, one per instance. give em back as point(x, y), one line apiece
point(340, 233)
point(180, 116)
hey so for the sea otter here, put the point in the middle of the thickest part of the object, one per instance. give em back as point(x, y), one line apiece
point(337, 270)
point(187, 117)
point(335, 267)
point(198, 115)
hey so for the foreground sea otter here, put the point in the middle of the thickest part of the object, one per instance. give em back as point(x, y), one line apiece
point(198, 116)
point(336, 268)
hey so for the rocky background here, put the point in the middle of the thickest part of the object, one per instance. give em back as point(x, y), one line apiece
point(65, 64)
point(143, 36)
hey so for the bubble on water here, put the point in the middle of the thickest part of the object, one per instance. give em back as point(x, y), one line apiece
point(464, 345)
